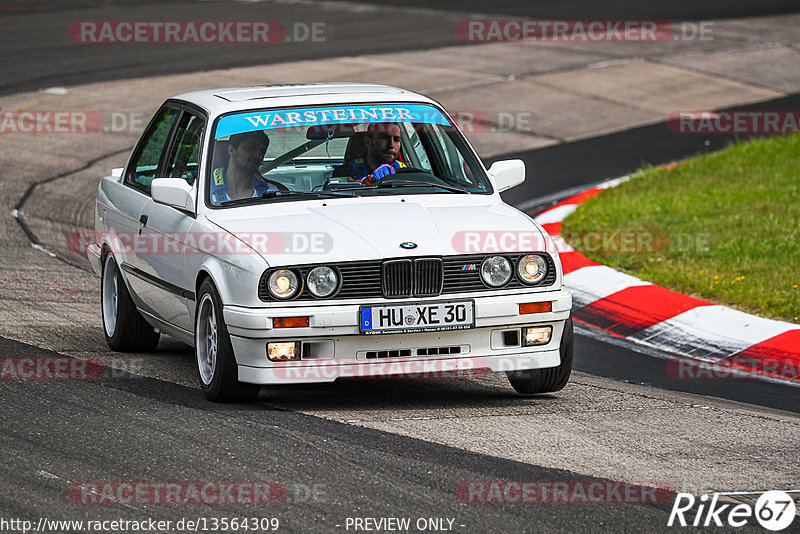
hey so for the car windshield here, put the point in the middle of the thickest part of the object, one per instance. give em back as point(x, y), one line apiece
point(334, 151)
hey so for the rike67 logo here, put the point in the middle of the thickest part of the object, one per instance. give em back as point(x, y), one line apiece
point(774, 510)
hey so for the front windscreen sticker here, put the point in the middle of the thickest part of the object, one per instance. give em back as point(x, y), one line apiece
point(292, 117)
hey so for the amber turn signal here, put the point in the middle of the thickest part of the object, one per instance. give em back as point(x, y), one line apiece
point(535, 307)
point(289, 322)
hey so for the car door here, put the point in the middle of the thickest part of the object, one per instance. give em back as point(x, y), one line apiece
point(166, 228)
point(131, 195)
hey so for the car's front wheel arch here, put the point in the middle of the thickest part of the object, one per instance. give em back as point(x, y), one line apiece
point(201, 277)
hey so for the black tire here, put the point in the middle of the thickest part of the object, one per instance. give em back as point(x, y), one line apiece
point(551, 379)
point(124, 327)
point(217, 373)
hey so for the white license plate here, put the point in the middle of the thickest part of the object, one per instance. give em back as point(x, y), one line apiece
point(413, 317)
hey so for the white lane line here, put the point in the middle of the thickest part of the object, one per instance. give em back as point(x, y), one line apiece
point(55, 90)
point(613, 62)
point(40, 248)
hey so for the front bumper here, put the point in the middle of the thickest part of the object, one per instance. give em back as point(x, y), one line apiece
point(333, 346)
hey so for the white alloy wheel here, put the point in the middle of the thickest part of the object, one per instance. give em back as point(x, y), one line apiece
point(216, 363)
point(206, 339)
point(110, 296)
point(124, 327)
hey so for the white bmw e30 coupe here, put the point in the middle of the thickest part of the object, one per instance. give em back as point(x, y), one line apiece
point(306, 233)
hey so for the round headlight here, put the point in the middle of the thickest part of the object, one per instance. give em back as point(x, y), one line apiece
point(531, 268)
point(283, 284)
point(496, 271)
point(322, 281)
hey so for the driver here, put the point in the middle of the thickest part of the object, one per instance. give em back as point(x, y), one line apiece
point(240, 178)
point(382, 142)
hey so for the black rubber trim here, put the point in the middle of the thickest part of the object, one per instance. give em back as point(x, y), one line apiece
point(158, 282)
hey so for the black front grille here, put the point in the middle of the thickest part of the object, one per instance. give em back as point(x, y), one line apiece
point(428, 277)
point(421, 277)
point(405, 278)
point(358, 278)
point(399, 353)
point(397, 278)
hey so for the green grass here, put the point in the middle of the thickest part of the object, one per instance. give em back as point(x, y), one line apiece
point(724, 227)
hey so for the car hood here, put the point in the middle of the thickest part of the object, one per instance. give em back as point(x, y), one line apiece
point(336, 230)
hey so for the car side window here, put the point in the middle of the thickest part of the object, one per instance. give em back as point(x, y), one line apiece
point(145, 167)
point(184, 159)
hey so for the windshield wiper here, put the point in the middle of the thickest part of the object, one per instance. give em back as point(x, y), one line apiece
point(414, 183)
point(328, 194)
point(280, 194)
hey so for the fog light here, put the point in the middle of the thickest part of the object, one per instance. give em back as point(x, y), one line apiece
point(283, 351)
point(536, 335)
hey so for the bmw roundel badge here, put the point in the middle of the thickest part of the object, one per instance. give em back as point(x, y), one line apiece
point(408, 244)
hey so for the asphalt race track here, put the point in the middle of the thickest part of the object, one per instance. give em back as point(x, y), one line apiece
point(359, 448)
point(357, 29)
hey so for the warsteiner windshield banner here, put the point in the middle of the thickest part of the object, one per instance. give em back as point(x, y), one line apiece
point(293, 117)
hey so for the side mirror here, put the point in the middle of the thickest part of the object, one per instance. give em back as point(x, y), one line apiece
point(173, 192)
point(507, 173)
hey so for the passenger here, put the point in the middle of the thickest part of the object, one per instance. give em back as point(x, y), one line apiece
point(240, 178)
point(382, 144)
